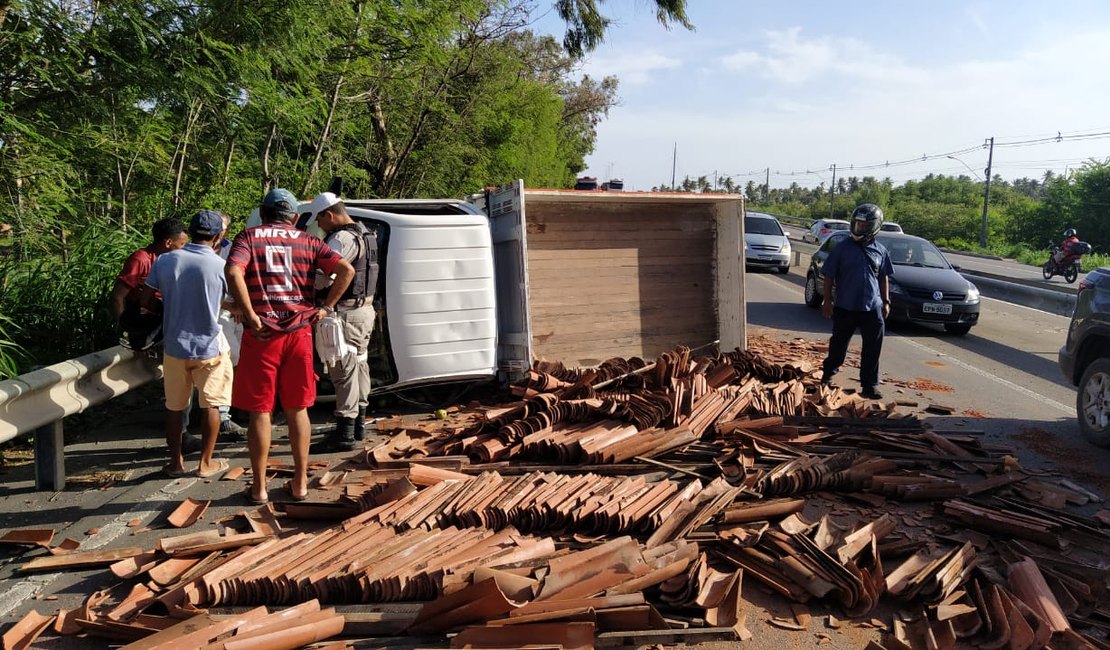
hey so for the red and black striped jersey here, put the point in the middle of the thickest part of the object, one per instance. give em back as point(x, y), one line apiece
point(279, 264)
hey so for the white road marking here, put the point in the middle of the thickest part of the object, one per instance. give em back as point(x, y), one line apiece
point(1032, 309)
point(1047, 401)
point(16, 594)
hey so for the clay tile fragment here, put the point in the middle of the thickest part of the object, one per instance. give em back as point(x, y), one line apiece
point(188, 512)
point(23, 634)
point(29, 537)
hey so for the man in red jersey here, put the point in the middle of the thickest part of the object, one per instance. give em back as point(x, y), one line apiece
point(270, 274)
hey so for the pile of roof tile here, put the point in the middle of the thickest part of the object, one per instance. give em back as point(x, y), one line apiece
point(634, 500)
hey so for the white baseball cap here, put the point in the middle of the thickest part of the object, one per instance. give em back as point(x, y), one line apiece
point(323, 201)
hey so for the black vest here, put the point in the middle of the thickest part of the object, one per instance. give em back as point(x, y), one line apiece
point(365, 262)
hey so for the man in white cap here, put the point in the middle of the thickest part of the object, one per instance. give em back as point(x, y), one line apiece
point(355, 310)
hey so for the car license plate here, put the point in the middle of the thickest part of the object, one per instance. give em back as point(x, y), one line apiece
point(764, 257)
point(936, 308)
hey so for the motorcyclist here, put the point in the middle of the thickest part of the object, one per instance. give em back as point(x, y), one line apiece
point(1070, 237)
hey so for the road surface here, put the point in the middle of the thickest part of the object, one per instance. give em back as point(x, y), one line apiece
point(1002, 378)
point(999, 268)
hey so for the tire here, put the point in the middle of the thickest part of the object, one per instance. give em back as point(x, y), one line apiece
point(1092, 403)
point(1047, 270)
point(957, 329)
point(784, 270)
point(813, 297)
point(1070, 274)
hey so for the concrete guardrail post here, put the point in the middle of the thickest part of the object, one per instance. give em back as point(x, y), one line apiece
point(50, 466)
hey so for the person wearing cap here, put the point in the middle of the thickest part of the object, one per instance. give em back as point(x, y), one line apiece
point(355, 310)
point(271, 272)
point(191, 282)
point(232, 330)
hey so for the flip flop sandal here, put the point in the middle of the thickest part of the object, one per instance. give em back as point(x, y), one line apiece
point(174, 473)
point(221, 467)
point(288, 486)
point(253, 499)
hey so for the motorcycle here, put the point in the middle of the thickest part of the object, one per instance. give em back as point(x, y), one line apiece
point(1069, 265)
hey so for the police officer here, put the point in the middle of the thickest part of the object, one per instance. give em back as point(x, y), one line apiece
point(860, 269)
point(355, 310)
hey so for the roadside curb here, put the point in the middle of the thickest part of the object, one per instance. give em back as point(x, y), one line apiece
point(983, 256)
point(1035, 284)
point(1060, 303)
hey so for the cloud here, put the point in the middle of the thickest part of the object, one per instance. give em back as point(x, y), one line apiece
point(875, 107)
point(632, 67)
point(790, 59)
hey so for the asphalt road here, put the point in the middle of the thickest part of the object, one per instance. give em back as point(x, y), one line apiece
point(1002, 379)
point(1003, 376)
point(1000, 268)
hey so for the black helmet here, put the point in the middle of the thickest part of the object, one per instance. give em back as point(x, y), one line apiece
point(1070, 232)
point(866, 221)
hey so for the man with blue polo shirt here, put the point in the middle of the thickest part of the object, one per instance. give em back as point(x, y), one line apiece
point(191, 281)
point(860, 268)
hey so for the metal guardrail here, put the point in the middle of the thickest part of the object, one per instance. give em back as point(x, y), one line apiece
point(37, 401)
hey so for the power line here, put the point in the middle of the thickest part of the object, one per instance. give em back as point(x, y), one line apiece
point(1018, 142)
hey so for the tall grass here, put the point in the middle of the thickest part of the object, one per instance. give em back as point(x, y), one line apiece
point(58, 303)
point(1020, 253)
point(10, 351)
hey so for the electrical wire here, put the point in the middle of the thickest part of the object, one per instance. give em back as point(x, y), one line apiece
point(1018, 142)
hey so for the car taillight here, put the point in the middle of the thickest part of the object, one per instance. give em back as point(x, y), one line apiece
point(825, 231)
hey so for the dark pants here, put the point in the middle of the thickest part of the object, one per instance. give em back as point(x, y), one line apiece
point(871, 328)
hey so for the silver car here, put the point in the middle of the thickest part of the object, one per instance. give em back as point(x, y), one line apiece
point(765, 243)
point(822, 228)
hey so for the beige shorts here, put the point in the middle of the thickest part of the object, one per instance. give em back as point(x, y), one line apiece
point(212, 378)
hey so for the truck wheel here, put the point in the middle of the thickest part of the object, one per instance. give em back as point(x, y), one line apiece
point(957, 328)
point(813, 296)
point(784, 270)
point(1092, 403)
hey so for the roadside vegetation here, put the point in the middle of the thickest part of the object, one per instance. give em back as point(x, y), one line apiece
point(1024, 215)
point(114, 115)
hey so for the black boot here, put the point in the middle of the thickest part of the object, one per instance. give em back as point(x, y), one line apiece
point(342, 439)
point(360, 423)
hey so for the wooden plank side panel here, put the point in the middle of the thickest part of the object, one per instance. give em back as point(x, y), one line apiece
point(620, 280)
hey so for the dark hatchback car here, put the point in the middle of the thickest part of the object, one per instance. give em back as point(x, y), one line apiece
point(925, 288)
point(1085, 357)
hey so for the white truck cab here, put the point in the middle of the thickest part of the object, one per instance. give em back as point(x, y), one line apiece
point(452, 296)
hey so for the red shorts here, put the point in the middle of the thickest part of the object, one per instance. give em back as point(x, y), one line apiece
point(280, 365)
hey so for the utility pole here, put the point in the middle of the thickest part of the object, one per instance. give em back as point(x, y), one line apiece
point(767, 186)
point(832, 192)
point(674, 161)
point(986, 194)
point(714, 180)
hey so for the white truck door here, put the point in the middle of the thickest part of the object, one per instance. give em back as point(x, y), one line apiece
point(505, 206)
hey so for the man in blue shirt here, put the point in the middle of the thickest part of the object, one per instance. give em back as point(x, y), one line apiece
point(860, 269)
point(191, 281)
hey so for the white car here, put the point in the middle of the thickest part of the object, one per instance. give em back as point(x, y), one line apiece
point(822, 228)
point(890, 226)
point(765, 243)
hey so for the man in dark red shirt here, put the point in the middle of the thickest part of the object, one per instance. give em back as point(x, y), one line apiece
point(166, 235)
point(271, 273)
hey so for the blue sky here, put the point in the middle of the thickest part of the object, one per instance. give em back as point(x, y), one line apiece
point(797, 86)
